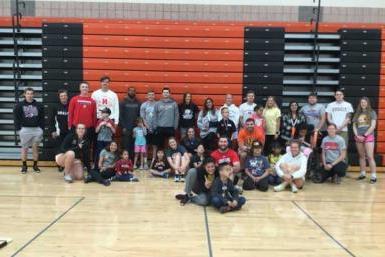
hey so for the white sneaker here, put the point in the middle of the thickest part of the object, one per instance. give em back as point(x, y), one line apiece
point(181, 178)
point(294, 188)
point(145, 167)
point(68, 178)
point(176, 178)
point(280, 187)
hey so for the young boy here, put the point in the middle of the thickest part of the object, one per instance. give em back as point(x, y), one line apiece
point(224, 196)
point(105, 129)
point(257, 169)
point(226, 127)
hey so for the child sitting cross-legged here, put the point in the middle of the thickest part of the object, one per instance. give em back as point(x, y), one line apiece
point(224, 196)
point(274, 156)
point(160, 167)
point(124, 170)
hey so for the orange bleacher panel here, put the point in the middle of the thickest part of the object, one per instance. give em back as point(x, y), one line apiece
point(163, 54)
point(382, 91)
point(380, 147)
point(161, 65)
point(163, 42)
point(164, 77)
point(163, 30)
point(177, 88)
point(380, 125)
point(381, 103)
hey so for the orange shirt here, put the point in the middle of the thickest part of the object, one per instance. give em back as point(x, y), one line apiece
point(246, 138)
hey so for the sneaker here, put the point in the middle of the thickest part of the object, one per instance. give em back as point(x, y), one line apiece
point(88, 179)
point(134, 179)
point(373, 180)
point(361, 177)
point(225, 209)
point(165, 175)
point(294, 188)
point(180, 196)
point(337, 180)
point(68, 178)
point(176, 178)
point(334, 179)
point(181, 178)
point(36, 169)
point(60, 169)
point(145, 167)
point(184, 200)
point(239, 188)
point(24, 169)
point(141, 167)
point(106, 182)
point(280, 187)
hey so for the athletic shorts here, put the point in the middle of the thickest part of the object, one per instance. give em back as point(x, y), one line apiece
point(150, 139)
point(368, 139)
point(30, 136)
point(140, 149)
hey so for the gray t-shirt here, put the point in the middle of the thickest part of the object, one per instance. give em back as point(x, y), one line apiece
point(333, 147)
point(364, 121)
point(108, 158)
point(105, 134)
point(147, 113)
point(313, 114)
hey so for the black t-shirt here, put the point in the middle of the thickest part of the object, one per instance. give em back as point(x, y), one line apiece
point(160, 165)
point(226, 128)
point(190, 145)
point(187, 115)
point(196, 160)
point(199, 186)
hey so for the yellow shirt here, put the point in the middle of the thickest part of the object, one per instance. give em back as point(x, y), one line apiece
point(271, 115)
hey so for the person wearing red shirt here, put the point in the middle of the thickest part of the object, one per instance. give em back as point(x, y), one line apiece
point(226, 155)
point(82, 109)
point(124, 169)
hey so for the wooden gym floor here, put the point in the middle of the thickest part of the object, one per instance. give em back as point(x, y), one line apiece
point(48, 218)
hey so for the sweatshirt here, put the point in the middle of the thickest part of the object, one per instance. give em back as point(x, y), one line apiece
point(123, 167)
point(129, 112)
point(225, 190)
point(187, 114)
point(82, 109)
point(199, 186)
point(208, 123)
point(71, 142)
point(107, 99)
point(147, 112)
point(58, 119)
point(166, 113)
point(300, 160)
point(28, 115)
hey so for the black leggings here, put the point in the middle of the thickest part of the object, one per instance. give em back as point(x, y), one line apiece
point(262, 185)
point(210, 141)
point(339, 169)
point(99, 177)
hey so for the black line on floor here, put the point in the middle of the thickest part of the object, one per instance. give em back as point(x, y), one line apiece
point(47, 227)
point(324, 230)
point(310, 200)
point(208, 232)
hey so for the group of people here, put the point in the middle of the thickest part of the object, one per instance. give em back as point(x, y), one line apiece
point(217, 152)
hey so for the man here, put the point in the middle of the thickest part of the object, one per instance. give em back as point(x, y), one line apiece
point(129, 113)
point(246, 110)
point(29, 122)
point(339, 113)
point(333, 156)
point(104, 97)
point(246, 137)
point(147, 112)
point(315, 114)
point(233, 113)
point(291, 168)
point(58, 119)
point(82, 110)
point(166, 117)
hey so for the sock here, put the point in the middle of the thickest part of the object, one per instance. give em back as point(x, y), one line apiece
point(34, 163)
point(24, 163)
point(363, 172)
point(374, 175)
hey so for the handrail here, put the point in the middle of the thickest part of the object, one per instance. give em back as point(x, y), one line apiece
point(316, 48)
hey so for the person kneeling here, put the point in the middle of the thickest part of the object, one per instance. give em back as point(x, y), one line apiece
point(224, 196)
point(291, 168)
point(257, 169)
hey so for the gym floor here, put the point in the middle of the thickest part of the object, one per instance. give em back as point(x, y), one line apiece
point(47, 217)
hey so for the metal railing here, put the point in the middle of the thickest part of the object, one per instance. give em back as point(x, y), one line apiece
point(316, 49)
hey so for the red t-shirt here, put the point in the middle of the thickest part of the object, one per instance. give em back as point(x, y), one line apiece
point(230, 156)
point(123, 167)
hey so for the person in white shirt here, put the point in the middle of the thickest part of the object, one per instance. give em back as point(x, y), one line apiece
point(291, 168)
point(339, 113)
point(233, 114)
point(246, 110)
point(104, 97)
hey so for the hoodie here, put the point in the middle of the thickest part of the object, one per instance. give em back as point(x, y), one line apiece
point(299, 160)
point(166, 113)
point(29, 115)
point(129, 112)
point(58, 119)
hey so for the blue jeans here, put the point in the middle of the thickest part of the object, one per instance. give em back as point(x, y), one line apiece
point(219, 201)
point(124, 177)
point(274, 180)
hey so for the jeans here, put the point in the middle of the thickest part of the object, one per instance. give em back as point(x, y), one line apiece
point(219, 201)
point(190, 180)
point(274, 180)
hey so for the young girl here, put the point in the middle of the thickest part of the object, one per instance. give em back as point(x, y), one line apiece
point(124, 170)
point(160, 167)
point(178, 159)
point(197, 159)
point(140, 133)
point(274, 156)
point(105, 129)
point(258, 118)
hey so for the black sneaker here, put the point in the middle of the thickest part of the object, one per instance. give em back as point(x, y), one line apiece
point(361, 177)
point(225, 209)
point(180, 196)
point(184, 200)
point(88, 179)
point(106, 182)
point(60, 169)
point(24, 169)
point(36, 169)
point(373, 180)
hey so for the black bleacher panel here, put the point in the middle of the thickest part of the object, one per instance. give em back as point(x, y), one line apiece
point(62, 40)
point(360, 68)
point(360, 45)
point(373, 34)
point(63, 51)
point(264, 90)
point(365, 57)
point(264, 56)
point(271, 67)
point(354, 100)
point(62, 74)
point(370, 91)
point(62, 63)
point(361, 79)
point(52, 97)
point(264, 44)
point(263, 78)
point(63, 28)
point(55, 85)
point(47, 154)
point(263, 32)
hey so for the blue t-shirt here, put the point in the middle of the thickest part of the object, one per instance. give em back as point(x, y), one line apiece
point(257, 165)
point(140, 138)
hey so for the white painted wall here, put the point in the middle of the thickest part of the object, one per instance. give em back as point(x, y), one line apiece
point(330, 3)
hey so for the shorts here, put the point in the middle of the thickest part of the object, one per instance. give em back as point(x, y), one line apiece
point(140, 149)
point(368, 139)
point(30, 136)
point(150, 139)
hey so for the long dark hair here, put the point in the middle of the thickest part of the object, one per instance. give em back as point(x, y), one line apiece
point(205, 109)
point(297, 111)
point(184, 99)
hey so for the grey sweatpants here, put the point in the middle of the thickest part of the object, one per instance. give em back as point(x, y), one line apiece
point(190, 180)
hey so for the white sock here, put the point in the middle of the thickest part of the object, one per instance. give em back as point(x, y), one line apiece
point(363, 172)
point(374, 175)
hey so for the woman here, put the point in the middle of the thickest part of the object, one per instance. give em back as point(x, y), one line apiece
point(364, 124)
point(191, 142)
point(74, 154)
point(187, 114)
point(178, 159)
point(208, 119)
point(272, 115)
point(290, 121)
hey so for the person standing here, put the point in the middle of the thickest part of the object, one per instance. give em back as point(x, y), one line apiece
point(246, 110)
point(272, 115)
point(166, 117)
point(290, 121)
point(104, 97)
point(315, 115)
point(129, 112)
point(364, 124)
point(233, 115)
point(208, 119)
point(187, 111)
point(29, 122)
point(147, 112)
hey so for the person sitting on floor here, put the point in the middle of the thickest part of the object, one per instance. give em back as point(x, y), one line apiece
point(178, 159)
point(160, 167)
point(124, 170)
point(274, 156)
point(198, 157)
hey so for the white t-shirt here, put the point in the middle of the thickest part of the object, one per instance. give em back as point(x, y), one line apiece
point(338, 112)
point(107, 99)
point(246, 110)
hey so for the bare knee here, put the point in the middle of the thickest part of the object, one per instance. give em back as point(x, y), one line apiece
point(70, 155)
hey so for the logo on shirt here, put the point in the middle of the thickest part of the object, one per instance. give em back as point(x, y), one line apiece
point(30, 111)
point(331, 146)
